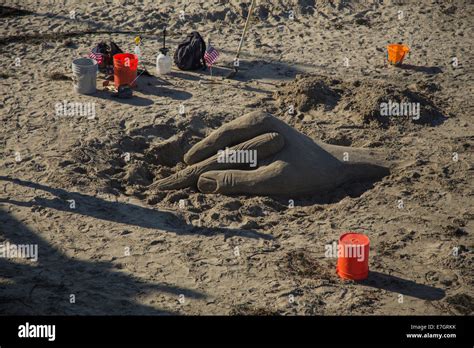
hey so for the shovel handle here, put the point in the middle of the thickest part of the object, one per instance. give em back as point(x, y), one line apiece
point(245, 29)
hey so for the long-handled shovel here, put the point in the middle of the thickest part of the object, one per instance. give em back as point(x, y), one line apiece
point(236, 64)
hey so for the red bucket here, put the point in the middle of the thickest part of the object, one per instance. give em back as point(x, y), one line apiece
point(353, 256)
point(125, 69)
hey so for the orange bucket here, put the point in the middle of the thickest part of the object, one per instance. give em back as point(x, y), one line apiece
point(125, 69)
point(396, 53)
point(353, 256)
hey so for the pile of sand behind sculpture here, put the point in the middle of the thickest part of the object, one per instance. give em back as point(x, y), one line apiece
point(380, 103)
point(308, 92)
point(387, 104)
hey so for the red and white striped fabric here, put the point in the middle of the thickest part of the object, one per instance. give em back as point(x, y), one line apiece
point(211, 55)
point(98, 57)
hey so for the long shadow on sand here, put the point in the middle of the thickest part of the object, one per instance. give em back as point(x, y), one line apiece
point(430, 70)
point(259, 69)
point(402, 286)
point(162, 91)
point(45, 287)
point(120, 212)
point(134, 101)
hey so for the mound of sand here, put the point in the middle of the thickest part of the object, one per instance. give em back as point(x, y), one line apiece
point(308, 92)
point(368, 101)
point(377, 102)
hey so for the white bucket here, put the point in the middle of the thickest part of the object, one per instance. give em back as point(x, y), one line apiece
point(84, 75)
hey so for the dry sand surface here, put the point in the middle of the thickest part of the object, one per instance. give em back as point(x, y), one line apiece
point(216, 254)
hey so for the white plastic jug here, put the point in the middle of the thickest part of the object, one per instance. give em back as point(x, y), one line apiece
point(163, 64)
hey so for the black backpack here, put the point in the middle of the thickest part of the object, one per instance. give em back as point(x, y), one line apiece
point(114, 49)
point(190, 54)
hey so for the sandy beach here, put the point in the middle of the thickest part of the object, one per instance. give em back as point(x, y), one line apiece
point(82, 187)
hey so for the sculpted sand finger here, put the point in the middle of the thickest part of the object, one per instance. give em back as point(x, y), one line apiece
point(244, 155)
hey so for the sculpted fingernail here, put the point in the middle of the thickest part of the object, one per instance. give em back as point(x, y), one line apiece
point(207, 185)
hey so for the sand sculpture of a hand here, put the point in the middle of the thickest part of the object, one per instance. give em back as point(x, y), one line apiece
point(288, 162)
